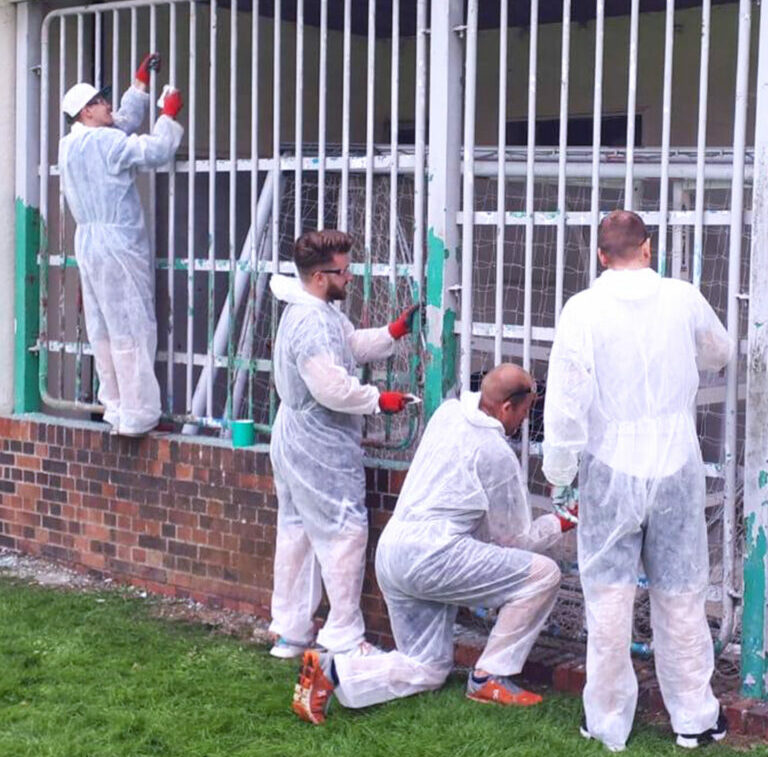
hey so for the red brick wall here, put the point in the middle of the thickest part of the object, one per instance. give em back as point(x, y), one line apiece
point(178, 517)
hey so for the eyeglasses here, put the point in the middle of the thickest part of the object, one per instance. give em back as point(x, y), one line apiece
point(337, 271)
point(532, 389)
point(98, 100)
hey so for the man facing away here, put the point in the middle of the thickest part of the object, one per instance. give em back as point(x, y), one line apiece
point(98, 161)
point(461, 535)
point(322, 522)
point(620, 409)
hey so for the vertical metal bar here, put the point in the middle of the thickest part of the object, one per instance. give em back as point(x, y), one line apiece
point(529, 219)
point(134, 38)
point(212, 122)
point(445, 68)
point(232, 231)
point(468, 194)
point(730, 454)
point(753, 634)
point(501, 184)
point(152, 118)
point(666, 120)
point(80, 44)
point(115, 58)
point(565, 65)
point(61, 315)
point(31, 90)
point(369, 135)
point(597, 114)
point(321, 114)
point(629, 178)
point(171, 252)
point(701, 145)
point(394, 115)
point(97, 51)
point(420, 151)
point(254, 181)
point(276, 99)
point(299, 119)
point(347, 64)
point(192, 135)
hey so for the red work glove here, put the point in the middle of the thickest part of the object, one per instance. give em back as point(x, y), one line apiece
point(404, 324)
point(172, 103)
point(151, 62)
point(392, 402)
point(567, 525)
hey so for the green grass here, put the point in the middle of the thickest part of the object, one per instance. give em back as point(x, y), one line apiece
point(95, 675)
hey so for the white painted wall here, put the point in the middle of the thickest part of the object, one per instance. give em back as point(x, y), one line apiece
point(7, 202)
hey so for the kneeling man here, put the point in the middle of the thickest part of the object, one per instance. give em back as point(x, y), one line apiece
point(461, 535)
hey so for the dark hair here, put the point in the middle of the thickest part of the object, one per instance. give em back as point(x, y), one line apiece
point(316, 248)
point(621, 233)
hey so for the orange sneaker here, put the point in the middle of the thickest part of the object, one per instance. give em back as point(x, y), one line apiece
point(500, 690)
point(313, 690)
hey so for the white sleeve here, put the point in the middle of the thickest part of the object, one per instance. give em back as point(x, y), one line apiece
point(334, 388)
point(145, 151)
point(543, 534)
point(371, 344)
point(133, 108)
point(714, 347)
point(569, 392)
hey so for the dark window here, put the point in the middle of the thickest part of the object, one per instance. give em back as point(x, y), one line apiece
point(613, 132)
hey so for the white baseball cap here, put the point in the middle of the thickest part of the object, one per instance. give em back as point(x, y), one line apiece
point(78, 96)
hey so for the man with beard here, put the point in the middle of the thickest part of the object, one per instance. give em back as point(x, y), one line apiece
point(322, 523)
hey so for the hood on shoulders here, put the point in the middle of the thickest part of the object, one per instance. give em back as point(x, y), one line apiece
point(470, 407)
point(634, 284)
point(289, 289)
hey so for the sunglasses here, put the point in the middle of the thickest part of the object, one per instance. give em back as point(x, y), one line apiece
point(337, 271)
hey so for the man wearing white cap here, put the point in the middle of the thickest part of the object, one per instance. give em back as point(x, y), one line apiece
point(98, 162)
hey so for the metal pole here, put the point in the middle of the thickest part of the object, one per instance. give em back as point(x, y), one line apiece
point(299, 120)
point(171, 252)
point(254, 194)
point(232, 231)
point(468, 194)
point(321, 113)
point(61, 314)
point(753, 634)
point(501, 183)
point(115, 58)
point(529, 224)
point(734, 287)
point(347, 65)
point(97, 51)
point(565, 63)
point(80, 43)
point(666, 119)
point(631, 105)
point(420, 152)
point(189, 378)
point(276, 102)
point(369, 134)
point(212, 122)
point(698, 229)
point(597, 114)
point(443, 200)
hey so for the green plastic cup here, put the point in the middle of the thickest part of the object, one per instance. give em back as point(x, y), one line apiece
point(243, 433)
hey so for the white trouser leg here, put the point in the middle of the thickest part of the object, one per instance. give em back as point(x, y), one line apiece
point(109, 396)
point(297, 588)
point(139, 391)
point(342, 564)
point(610, 694)
point(684, 659)
point(520, 620)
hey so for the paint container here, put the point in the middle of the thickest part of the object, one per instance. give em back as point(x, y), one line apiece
point(243, 433)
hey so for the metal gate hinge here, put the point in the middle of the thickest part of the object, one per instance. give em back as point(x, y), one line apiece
point(37, 70)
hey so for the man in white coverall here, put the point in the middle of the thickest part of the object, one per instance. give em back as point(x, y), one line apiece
point(322, 522)
point(620, 410)
point(98, 161)
point(461, 535)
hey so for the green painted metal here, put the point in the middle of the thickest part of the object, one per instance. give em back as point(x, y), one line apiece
point(753, 663)
point(440, 358)
point(27, 314)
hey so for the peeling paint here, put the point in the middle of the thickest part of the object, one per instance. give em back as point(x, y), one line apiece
point(753, 620)
point(762, 478)
point(27, 371)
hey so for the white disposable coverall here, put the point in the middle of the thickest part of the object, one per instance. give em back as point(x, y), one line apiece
point(98, 166)
point(322, 523)
point(621, 390)
point(461, 535)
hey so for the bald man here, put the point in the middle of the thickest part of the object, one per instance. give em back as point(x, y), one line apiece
point(461, 535)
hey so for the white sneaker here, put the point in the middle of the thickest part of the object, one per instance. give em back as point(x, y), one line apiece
point(694, 740)
point(286, 650)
